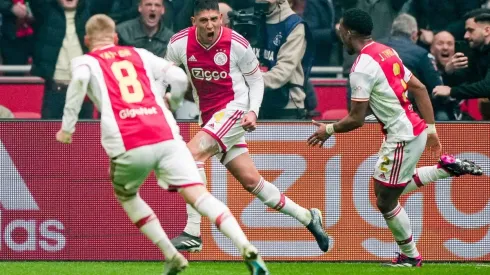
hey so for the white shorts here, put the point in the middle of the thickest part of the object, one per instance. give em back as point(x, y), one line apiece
point(398, 160)
point(224, 126)
point(172, 162)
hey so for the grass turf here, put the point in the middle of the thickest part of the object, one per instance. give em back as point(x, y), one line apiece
point(231, 268)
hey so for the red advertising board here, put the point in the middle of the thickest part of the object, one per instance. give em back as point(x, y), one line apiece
point(56, 201)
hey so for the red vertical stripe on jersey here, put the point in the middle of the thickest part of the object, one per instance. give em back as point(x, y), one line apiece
point(140, 121)
point(395, 81)
point(210, 72)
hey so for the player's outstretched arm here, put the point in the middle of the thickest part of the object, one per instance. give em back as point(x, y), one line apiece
point(362, 84)
point(425, 106)
point(352, 121)
point(75, 95)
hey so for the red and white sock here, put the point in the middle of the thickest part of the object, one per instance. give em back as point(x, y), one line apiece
point(193, 226)
point(141, 214)
point(221, 216)
point(424, 176)
point(399, 224)
point(272, 197)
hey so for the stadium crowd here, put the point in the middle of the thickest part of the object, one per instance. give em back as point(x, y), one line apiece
point(444, 42)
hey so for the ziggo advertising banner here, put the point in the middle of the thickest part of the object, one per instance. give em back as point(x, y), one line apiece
point(57, 201)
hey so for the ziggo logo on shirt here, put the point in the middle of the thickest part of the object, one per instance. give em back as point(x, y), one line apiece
point(201, 74)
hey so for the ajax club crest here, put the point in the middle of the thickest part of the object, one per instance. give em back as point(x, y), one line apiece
point(220, 58)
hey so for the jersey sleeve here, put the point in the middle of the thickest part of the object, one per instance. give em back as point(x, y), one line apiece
point(159, 66)
point(248, 63)
point(76, 93)
point(172, 54)
point(363, 78)
point(407, 74)
point(361, 85)
point(167, 73)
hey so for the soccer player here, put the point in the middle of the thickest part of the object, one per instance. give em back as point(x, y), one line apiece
point(379, 80)
point(228, 88)
point(140, 135)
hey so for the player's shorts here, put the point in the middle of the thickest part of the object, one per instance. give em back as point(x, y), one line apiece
point(398, 160)
point(173, 164)
point(225, 127)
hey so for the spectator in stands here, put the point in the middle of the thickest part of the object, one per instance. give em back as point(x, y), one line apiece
point(437, 15)
point(319, 15)
point(472, 67)
point(59, 37)
point(443, 48)
point(383, 12)
point(224, 9)
point(314, 12)
point(404, 36)
point(288, 57)
point(17, 33)
point(123, 10)
point(148, 30)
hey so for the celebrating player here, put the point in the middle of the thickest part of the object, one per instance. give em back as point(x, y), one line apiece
point(140, 135)
point(228, 88)
point(380, 80)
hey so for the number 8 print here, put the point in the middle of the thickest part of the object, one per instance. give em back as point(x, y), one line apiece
point(130, 80)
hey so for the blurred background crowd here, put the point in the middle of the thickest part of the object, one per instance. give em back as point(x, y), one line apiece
point(439, 40)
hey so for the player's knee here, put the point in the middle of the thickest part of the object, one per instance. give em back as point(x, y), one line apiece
point(385, 205)
point(124, 196)
point(249, 181)
point(206, 148)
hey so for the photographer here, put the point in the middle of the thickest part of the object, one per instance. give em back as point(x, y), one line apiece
point(471, 67)
point(288, 56)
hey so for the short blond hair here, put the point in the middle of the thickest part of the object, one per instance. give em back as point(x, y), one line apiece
point(100, 27)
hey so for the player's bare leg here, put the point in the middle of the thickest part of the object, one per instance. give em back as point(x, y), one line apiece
point(219, 214)
point(397, 218)
point(244, 170)
point(141, 214)
point(202, 147)
point(399, 224)
point(448, 166)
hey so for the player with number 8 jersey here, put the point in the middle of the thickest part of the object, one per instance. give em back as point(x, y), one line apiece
point(140, 135)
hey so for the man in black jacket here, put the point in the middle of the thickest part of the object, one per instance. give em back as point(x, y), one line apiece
point(320, 15)
point(471, 67)
point(59, 31)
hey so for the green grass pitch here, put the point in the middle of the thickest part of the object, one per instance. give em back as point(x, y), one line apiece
point(231, 268)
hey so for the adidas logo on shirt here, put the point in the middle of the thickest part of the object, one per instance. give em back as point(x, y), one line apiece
point(192, 58)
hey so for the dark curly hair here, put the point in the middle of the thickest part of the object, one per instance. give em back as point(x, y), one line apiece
point(201, 5)
point(358, 20)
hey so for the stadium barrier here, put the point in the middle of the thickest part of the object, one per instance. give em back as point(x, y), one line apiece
point(57, 201)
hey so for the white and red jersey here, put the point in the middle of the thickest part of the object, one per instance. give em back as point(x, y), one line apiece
point(216, 72)
point(379, 76)
point(122, 85)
